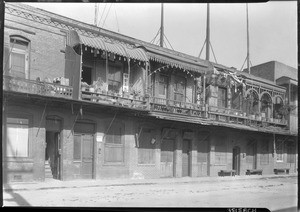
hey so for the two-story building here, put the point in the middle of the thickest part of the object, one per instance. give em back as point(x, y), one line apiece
point(80, 102)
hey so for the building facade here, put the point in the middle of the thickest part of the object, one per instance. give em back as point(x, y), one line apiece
point(85, 103)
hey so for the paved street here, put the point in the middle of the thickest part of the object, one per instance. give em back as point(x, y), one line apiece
point(273, 192)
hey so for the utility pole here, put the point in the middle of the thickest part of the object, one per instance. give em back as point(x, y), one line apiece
point(248, 45)
point(162, 26)
point(207, 33)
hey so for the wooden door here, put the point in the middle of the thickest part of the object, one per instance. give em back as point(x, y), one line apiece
point(185, 158)
point(236, 160)
point(166, 159)
point(251, 155)
point(83, 155)
point(87, 156)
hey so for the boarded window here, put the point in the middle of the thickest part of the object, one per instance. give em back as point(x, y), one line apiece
point(146, 150)
point(222, 97)
point(17, 135)
point(114, 145)
point(264, 157)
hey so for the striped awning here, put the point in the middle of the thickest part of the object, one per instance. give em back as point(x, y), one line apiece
point(176, 63)
point(114, 47)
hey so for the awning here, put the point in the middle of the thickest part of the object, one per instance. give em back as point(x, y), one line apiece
point(176, 63)
point(114, 47)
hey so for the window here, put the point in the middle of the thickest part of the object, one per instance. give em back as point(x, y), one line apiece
point(86, 75)
point(19, 57)
point(114, 145)
point(163, 85)
point(236, 98)
point(264, 157)
point(279, 150)
point(114, 77)
point(179, 89)
point(146, 151)
point(77, 147)
point(222, 97)
point(17, 137)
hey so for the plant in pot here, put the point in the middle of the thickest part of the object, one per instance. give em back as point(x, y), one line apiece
point(84, 86)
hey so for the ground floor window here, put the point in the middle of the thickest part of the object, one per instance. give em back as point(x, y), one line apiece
point(17, 137)
point(291, 152)
point(220, 151)
point(202, 151)
point(146, 149)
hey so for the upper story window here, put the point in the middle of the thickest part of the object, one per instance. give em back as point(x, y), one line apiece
point(19, 57)
point(179, 89)
point(222, 97)
point(162, 85)
point(115, 77)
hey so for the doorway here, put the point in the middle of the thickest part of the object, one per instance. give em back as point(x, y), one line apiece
point(185, 158)
point(236, 159)
point(83, 155)
point(167, 158)
point(252, 155)
point(53, 155)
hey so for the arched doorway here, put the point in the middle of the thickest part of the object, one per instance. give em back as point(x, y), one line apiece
point(251, 102)
point(266, 106)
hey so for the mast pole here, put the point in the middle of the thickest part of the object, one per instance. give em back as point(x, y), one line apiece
point(207, 33)
point(96, 14)
point(248, 43)
point(162, 26)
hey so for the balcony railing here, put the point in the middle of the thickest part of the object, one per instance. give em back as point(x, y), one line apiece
point(35, 87)
point(124, 100)
point(177, 107)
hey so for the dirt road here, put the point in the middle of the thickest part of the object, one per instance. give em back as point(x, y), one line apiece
point(271, 193)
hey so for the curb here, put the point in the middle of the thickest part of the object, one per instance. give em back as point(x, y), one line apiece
point(102, 183)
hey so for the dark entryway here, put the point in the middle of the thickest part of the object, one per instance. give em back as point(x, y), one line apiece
point(53, 157)
point(236, 159)
point(53, 151)
point(167, 158)
point(185, 158)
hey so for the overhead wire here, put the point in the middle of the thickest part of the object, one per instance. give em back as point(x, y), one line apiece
point(102, 15)
point(106, 15)
point(117, 19)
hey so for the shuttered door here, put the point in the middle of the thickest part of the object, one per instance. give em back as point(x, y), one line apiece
point(185, 157)
point(166, 159)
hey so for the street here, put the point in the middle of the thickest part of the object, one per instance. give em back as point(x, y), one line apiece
point(272, 193)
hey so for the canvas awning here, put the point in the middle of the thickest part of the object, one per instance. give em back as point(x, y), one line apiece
point(114, 47)
point(187, 65)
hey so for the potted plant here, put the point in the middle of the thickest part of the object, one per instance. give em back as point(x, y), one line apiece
point(84, 86)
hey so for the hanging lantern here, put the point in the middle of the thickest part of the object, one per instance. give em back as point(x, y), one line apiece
point(85, 48)
point(92, 50)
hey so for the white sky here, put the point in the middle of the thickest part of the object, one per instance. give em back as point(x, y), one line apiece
point(272, 25)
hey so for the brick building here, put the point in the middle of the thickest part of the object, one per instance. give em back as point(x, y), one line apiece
point(84, 103)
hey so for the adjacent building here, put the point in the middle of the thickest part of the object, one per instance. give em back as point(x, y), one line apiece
point(80, 102)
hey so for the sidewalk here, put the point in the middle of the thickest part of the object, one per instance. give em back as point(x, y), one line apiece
point(57, 184)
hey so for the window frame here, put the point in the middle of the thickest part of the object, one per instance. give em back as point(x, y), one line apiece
point(30, 136)
point(24, 52)
point(115, 66)
point(177, 81)
point(220, 98)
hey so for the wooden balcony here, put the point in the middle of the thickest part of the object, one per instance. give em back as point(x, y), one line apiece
point(35, 87)
point(110, 98)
